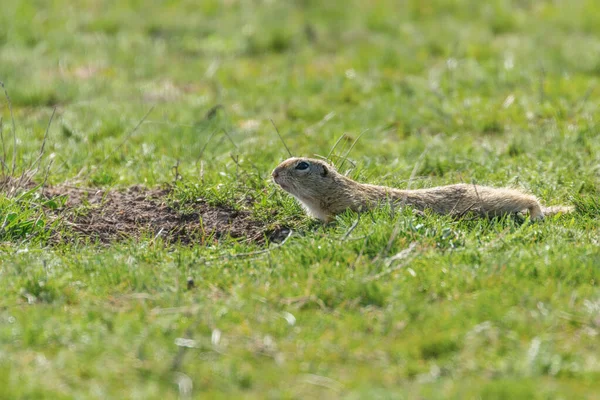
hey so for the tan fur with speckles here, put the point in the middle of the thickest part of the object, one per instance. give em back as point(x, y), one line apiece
point(324, 193)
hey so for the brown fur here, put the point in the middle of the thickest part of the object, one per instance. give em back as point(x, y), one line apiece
point(325, 193)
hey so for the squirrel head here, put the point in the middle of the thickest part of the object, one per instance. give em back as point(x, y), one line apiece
point(308, 180)
point(295, 175)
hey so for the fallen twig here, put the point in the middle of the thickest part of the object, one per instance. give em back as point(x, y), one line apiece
point(353, 227)
point(402, 256)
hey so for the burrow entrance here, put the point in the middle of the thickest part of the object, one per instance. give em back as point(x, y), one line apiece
point(136, 212)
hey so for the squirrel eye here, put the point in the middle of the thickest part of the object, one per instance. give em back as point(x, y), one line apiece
point(302, 165)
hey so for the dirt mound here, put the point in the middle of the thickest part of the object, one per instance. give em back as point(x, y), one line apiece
point(107, 216)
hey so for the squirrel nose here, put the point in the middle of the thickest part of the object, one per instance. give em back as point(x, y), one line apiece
point(275, 174)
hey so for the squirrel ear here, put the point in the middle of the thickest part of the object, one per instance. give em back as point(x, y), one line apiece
point(324, 172)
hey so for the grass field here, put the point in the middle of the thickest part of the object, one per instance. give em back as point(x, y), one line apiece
point(166, 105)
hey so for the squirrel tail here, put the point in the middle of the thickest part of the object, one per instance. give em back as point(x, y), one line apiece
point(553, 210)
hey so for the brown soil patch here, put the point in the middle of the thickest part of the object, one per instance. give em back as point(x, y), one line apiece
point(107, 216)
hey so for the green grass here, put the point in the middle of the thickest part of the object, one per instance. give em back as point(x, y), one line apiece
point(500, 93)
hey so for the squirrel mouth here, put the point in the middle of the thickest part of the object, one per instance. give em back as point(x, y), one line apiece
point(281, 184)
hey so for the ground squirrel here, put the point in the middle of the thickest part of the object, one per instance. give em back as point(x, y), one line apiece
point(324, 193)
